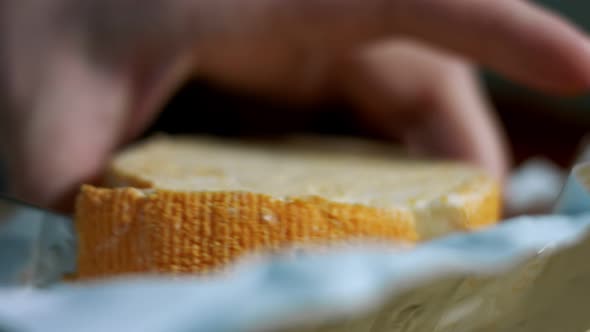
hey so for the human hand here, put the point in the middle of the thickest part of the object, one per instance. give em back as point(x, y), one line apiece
point(80, 78)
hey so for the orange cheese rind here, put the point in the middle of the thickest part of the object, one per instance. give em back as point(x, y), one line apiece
point(127, 230)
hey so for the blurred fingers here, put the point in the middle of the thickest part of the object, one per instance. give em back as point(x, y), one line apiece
point(430, 100)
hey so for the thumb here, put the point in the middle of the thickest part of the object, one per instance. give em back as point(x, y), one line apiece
point(75, 120)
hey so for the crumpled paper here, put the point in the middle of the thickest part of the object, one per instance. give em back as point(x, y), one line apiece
point(533, 187)
point(527, 274)
point(36, 247)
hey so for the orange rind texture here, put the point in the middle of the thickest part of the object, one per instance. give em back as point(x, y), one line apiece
point(127, 230)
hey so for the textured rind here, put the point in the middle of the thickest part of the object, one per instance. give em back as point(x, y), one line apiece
point(127, 230)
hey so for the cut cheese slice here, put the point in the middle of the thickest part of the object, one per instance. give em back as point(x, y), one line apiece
point(195, 204)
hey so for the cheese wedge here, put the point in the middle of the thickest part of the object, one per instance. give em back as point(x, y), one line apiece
point(196, 204)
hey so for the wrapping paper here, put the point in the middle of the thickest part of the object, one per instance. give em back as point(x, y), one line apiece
point(533, 187)
point(527, 274)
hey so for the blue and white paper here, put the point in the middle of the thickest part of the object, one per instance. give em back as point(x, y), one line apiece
point(527, 274)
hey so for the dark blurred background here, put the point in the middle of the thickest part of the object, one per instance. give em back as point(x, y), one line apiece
point(536, 124)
